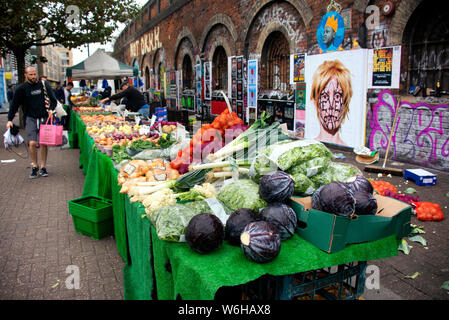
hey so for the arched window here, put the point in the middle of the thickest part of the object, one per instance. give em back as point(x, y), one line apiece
point(187, 73)
point(147, 78)
point(427, 37)
point(220, 69)
point(275, 62)
point(160, 77)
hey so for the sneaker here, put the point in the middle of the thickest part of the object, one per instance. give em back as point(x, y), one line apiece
point(34, 173)
point(43, 172)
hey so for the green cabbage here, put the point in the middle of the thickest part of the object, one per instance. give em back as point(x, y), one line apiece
point(288, 155)
point(170, 221)
point(303, 185)
point(241, 194)
point(311, 167)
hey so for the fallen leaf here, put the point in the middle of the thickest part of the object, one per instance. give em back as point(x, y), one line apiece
point(418, 239)
point(405, 247)
point(447, 194)
point(56, 284)
point(417, 230)
point(410, 191)
point(445, 285)
point(413, 276)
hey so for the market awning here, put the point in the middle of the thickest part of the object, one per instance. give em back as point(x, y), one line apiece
point(99, 65)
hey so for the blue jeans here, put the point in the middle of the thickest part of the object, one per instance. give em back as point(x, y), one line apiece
point(145, 110)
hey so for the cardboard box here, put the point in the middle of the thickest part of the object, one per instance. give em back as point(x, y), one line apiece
point(331, 233)
point(421, 177)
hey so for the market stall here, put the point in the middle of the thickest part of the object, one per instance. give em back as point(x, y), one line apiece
point(99, 66)
point(152, 209)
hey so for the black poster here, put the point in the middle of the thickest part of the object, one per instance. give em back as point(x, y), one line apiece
point(240, 68)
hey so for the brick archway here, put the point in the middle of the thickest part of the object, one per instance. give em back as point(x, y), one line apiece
point(184, 34)
point(218, 19)
point(401, 17)
point(303, 8)
point(270, 28)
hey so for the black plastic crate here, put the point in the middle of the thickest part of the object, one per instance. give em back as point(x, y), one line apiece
point(342, 282)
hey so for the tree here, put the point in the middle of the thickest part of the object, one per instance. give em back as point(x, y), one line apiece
point(70, 23)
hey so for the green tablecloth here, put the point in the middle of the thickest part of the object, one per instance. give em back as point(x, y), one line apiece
point(168, 269)
point(101, 181)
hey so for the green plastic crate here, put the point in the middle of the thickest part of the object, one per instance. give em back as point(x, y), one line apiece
point(92, 216)
point(73, 140)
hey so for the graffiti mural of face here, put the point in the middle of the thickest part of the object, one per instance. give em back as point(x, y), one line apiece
point(328, 36)
point(331, 106)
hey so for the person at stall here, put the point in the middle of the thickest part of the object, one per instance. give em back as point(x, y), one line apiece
point(31, 96)
point(331, 94)
point(135, 100)
point(106, 93)
point(64, 94)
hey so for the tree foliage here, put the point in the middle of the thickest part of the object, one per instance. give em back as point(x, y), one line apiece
point(71, 23)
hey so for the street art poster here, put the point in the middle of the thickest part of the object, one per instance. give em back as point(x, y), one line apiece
point(300, 96)
point(252, 83)
point(252, 95)
point(300, 123)
point(252, 72)
point(2, 87)
point(336, 97)
point(297, 68)
point(240, 67)
point(384, 67)
point(347, 18)
point(207, 67)
point(330, 32)
point(198, 73)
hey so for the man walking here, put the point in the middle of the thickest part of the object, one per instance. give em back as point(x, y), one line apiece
point(37, 109)
point(135, 100)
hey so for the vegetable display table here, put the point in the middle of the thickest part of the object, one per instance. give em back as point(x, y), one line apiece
point(167, 270)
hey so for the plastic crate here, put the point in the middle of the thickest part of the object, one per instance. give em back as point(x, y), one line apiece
point(342, 282)
point(73, 140)
point(92, 216)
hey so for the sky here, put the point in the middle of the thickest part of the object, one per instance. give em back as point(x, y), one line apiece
point(80, 53)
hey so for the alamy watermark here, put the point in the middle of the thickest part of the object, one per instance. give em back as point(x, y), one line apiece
point(73, 280)
point(73, 21)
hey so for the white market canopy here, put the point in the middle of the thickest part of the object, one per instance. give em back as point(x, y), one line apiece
point(99, 65)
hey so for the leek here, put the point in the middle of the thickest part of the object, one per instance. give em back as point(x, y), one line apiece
point(183, 183)
point(248, 141)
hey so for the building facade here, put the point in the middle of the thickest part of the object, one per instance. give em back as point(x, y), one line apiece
point(179, 35)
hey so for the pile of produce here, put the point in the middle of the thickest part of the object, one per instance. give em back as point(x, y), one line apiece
point(346, 199)
point(309, 163)
point(208, 139)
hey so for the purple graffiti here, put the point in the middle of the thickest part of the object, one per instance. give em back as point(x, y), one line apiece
point(422, 130)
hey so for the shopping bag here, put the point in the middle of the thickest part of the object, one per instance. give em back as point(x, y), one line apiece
point(59, 110)
point(50, 134)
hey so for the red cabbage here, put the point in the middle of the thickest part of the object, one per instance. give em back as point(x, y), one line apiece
point(260, 241)
point(236, 222)
point(282, 217)
point(276, 187)
point(204, 233)
point(335, 198)
point(365, 203)
point(360, 183)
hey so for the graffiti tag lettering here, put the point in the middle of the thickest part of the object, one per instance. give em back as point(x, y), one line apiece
point(421, 135)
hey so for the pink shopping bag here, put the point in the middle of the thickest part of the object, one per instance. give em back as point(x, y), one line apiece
point(50, 134)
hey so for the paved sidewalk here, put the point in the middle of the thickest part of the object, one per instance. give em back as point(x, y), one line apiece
point(37, 238)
